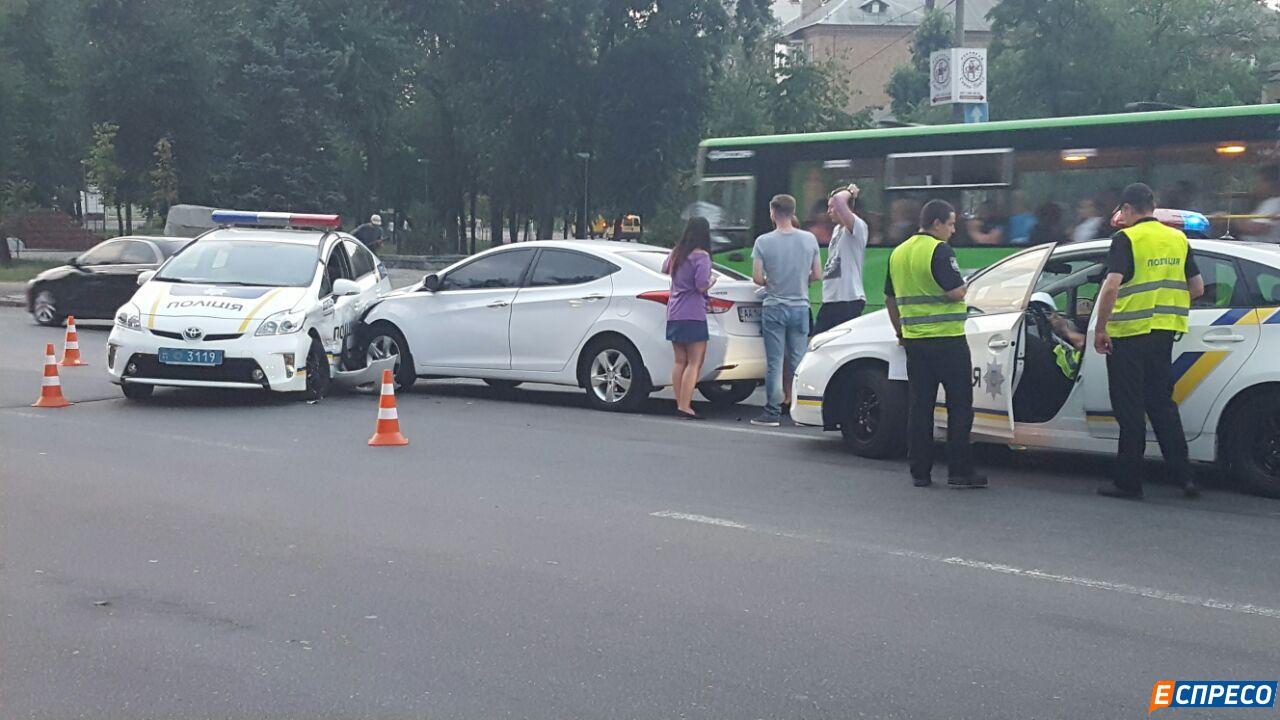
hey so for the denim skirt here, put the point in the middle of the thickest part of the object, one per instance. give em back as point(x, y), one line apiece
point(687, 331)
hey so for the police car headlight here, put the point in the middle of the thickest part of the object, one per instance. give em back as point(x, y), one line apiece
point(129, 317)
point(285, 322)
point(823, 338)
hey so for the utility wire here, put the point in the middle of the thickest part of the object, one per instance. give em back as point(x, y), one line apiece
point(877, 53)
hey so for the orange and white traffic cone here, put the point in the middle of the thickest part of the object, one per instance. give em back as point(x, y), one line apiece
point(71, 348)
point(388, 430)
point(50, 388)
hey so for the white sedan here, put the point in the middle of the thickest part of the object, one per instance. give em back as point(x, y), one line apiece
point(267, 301)
point(1227, 378)
point(582, 313)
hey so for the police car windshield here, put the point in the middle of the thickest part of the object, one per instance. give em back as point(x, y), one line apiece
point(243, 262)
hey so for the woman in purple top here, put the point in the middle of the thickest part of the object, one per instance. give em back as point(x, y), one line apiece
point(689, 266)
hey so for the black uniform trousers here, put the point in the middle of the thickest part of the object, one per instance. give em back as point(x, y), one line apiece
point(932, 362)
point(1139, 371)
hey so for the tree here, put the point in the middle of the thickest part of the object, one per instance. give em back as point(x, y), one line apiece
point(1080, 57)
point(103, 170)
point(909, 84)
point(164, 179)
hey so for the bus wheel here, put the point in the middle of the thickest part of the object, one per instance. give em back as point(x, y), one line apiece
point(873, 416)
point(1251, 447)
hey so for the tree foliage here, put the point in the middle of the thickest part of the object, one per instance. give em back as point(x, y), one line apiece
point(908, 86)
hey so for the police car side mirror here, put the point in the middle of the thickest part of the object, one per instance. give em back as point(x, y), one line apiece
point(431, 283)
point(343, 287)
point(143, 277)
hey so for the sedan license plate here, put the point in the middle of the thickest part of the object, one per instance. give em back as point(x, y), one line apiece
point(749, 313)
point(184, 356)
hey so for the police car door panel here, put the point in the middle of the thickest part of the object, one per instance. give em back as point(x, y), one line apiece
point(1218, 342)
point(997, 300)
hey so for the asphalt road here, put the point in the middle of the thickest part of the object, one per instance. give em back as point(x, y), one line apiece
point(229, 555)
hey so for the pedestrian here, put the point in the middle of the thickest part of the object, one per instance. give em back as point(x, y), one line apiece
point(924, 294)
point(1142, 308)
point(1090, 223)
point(370, 233)
point(1050, 225)
point(843, 298)
point(784, 262)
point(689, 266)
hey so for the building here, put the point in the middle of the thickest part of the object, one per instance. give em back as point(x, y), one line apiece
point(869, 38)
point(784, 11)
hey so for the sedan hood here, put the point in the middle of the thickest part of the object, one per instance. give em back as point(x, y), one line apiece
point(159, 299)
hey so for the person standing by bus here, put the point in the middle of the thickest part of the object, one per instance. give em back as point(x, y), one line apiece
point(924, 294)
point(1142, 308)
point(843, 298)
point(784, 261)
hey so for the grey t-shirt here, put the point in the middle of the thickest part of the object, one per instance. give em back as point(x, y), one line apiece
point(788, 259)
point(842, 278)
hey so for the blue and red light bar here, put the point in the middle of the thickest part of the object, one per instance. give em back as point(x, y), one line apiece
point(276, 219)
point(1189, 222)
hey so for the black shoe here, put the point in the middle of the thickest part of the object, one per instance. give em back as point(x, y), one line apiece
point(972, 481)
point(1119, 492)
point(689, 415)
point(1190, 489)
point(921, 482)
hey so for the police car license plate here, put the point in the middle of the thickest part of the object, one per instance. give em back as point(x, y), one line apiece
point(749, 313)
point(185, 356)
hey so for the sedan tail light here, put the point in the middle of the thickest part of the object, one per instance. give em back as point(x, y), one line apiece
point(715, 306)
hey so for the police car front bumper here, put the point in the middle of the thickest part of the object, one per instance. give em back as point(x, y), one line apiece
point(276, 362)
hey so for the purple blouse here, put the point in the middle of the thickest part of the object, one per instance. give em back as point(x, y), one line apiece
point(688, 301)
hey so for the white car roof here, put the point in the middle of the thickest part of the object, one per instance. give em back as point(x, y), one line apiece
point(1267, 253)
point(609, 247)
point(281, 235)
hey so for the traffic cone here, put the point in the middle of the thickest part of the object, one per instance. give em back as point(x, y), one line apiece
point(71, 348)
point(388, 430)
point(50, 388)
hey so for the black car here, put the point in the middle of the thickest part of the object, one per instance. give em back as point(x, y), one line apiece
point(95, 284)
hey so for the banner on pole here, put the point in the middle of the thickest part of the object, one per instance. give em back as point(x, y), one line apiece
point(958, 75)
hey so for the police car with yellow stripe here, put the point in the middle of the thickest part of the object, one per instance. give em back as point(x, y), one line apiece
point(266, 300)
point(1038, 382)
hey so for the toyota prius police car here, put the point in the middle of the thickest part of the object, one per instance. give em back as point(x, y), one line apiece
point(1033, 389)
point(266, 300)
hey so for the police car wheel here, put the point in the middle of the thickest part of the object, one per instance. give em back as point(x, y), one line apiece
point(614, 375)
point(727, 393)
point(1252, 444)
point(873, 418)
point(317, 372)
point(134, 391)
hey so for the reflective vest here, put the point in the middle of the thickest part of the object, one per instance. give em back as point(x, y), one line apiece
point(1156, 298)
point(923, 306)
point(1068, 360)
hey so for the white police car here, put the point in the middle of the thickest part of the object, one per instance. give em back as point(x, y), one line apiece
point(1227, 376)
point(267, 300)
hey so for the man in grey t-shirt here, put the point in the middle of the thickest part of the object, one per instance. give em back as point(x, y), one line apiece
point(785, 261)
point(843, 298)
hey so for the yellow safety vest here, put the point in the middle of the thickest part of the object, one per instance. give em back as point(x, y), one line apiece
point(1068, 360)
point(923, 306)
point(1156, 298)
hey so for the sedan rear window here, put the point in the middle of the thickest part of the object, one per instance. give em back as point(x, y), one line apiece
point(653, 260)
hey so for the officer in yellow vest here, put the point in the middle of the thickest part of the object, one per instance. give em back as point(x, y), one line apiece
point(1142, 309)
point(924, 294)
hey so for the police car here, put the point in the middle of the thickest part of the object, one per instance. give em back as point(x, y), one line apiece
point(1227, 379)
point(266, 300)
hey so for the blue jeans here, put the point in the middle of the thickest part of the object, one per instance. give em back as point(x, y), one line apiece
point(786, 336)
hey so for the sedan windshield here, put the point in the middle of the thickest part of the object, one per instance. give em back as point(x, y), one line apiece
point(243, 262)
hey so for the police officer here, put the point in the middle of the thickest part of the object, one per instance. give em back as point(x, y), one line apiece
point(924, 294)
point(1142, 308)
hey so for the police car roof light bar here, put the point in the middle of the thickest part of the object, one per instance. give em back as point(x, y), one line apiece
point(275, 219)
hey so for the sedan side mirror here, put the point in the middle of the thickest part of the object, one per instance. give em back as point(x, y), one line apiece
point(143, 277)
point(343, 287)
point(431, 283)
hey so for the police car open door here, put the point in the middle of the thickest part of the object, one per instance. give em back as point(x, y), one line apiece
point(997, 300)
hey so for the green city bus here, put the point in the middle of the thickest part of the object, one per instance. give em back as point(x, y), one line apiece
point(1014, 182)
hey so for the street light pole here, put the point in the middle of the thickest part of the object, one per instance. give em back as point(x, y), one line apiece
point(584, 225)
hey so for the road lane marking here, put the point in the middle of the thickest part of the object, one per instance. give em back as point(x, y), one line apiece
point(1032, 573)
